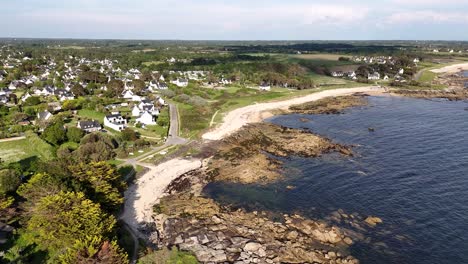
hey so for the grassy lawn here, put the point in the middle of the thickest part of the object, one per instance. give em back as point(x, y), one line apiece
point(116, 162)
point(149, 63)
point(152, 132)
point(91, 114)
point(427, 77)
point(32, 146)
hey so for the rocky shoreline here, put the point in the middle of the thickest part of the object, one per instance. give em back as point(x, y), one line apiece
point(452, 95)
point(217, 233)
point(330, 105)
point(250, 155)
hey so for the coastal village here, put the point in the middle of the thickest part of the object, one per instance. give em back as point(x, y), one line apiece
point(142, 137)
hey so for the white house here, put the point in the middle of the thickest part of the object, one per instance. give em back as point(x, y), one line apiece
point(337, 74)
point(374, 76)
point(25, 97)
point(146, 118)
point(44, 116)
point(161, 101)
point(351, 75)
point(67, 96)
point(180, 82)
point(89, 126)
point(401, 71)
point(385, 77)
point(136, 111)
point(127, 94)
point(264, 87)
point(115, 121)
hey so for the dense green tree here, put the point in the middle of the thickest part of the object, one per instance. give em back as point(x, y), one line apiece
point(75, 134)
point(41, 185)
point(9, 181)
point(115, 88)
point(78, 90)
point(95, 147)
point(102, 183)
point(55, 133)
point(31, 101)
point(62, 223)
point(129, 134)
point(138, 86)
point(93, 252)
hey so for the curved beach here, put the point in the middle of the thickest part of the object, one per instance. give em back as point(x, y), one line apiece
point(150, 187)
point(452, 68)
point(240, 117)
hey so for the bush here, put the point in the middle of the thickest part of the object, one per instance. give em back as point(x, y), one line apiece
point(129, 134)
point(75, 134)
point(9, 181)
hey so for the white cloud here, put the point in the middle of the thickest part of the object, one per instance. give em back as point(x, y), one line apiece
point(426, 3)
point(427, 17)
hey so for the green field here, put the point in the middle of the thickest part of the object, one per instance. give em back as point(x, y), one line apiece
point(427, 77)
point(90, 114)
point(32, 146)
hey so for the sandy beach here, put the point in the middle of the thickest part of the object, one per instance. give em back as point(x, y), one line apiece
point(149, 188)
point(452, 68)
point(236, 119)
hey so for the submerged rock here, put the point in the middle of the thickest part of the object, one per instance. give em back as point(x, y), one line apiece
point(373, 221)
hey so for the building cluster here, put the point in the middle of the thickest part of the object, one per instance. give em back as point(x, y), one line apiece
point(53, 84)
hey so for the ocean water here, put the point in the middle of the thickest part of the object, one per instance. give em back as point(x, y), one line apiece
point(412, 172)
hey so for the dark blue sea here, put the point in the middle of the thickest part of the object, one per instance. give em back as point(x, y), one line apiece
point(411, 171)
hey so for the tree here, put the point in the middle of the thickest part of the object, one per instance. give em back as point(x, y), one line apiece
point(70, 105)
point(31, 101)
point(78, 90)
point(86, 253)
point(138, 86)
point(39, 186)
point(75, 134)
point(9, 181)
point(64, 222)
point(101, 182)
point(95, 147)
point(115, 88)
point(129, 134)
point(55, 134)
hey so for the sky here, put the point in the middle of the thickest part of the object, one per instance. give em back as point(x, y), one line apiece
point(236, 19)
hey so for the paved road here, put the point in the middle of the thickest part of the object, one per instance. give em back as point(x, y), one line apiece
point(172, 139)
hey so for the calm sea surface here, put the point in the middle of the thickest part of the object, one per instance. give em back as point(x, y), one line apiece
point(412, 172)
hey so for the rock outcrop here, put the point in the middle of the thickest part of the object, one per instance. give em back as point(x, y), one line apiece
point(329, 105)
point(249, 156)
point(452, 95)
point(218, 235)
